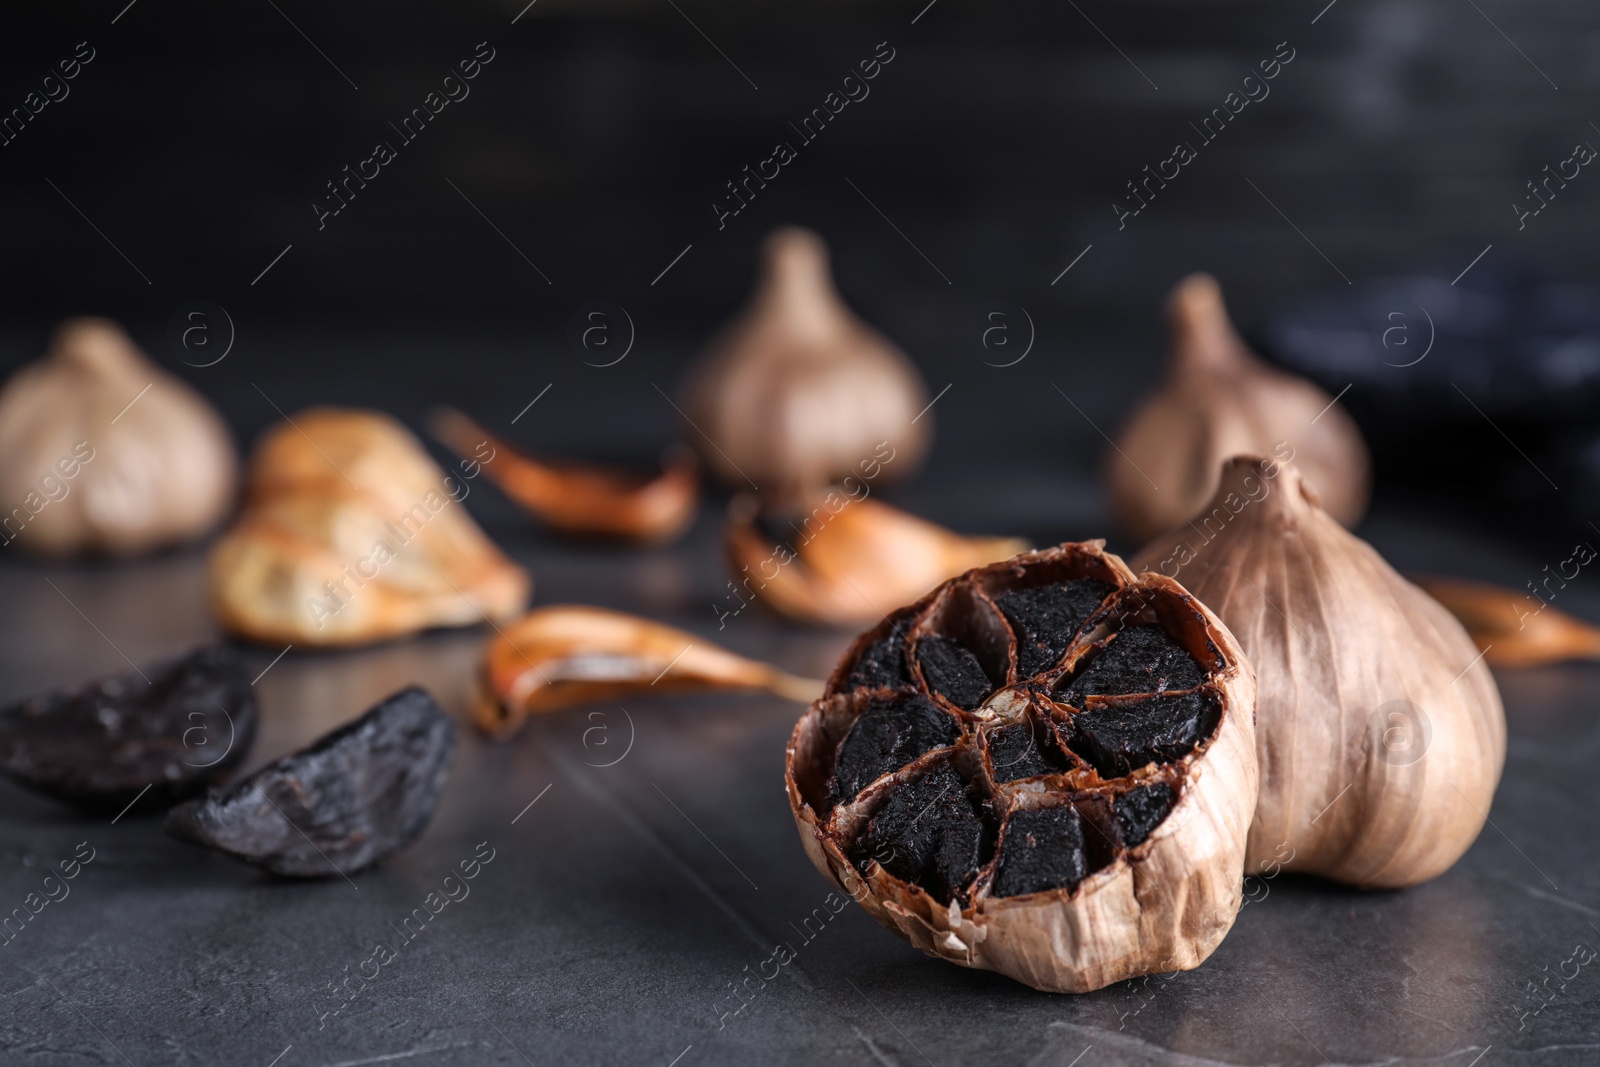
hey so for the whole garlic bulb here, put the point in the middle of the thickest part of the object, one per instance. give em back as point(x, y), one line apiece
point(1379, 729)
point(798, 392)
point(103, 451)
point(1220, 401)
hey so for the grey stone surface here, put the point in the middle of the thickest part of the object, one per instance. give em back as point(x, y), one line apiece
point(621, 908)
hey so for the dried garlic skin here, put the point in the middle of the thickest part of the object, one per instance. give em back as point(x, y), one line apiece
point(798, 392)
point(1066, 846)
point(568, 654)
point(835, 561)
point(584, 499)
point(1218, 401)
point(102, 451)
point(303, 563)
point(1541, 635)
point(1380, 731)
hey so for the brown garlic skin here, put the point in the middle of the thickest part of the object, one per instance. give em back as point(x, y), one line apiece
point(1162, 905)
point(555, 657)
point(160, 469)
point(797, 393)
point(1379, 728)
point(1218, 401)
point(583, 499)
point(1514, 629)
point(302, 564)
point(850, 559)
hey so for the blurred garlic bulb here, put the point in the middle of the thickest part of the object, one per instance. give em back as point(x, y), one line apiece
point(798, 392)
point(1219, 401)
point(351, 534)
point(1379, 728)
point(103, 451)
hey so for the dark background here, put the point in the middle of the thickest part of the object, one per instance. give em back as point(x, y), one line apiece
point(599, 137)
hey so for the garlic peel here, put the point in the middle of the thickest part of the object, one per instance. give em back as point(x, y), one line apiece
point(1380, 730)
point(105, 452)
point(798, 392)
point(583, 499)
point(1218, 401)
point(848, 559)
point(559, 656)
point(1513, 629)
point(350, 535)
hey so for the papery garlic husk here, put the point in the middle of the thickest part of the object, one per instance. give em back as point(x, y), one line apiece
point(351, 534)
point(798, 392)
point(1152, 881)
point(836, 560)
point(1219, 401)
point(1514, 629)
point(559, 656)
point(102, 451)
point(582, 499)
point(1380, 730)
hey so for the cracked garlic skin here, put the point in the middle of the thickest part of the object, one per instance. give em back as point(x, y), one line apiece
point(1220, 400)
point(1380, 731)
point(350, 535)
point(556, 657)
point(102, 451)
point(1045, 767)
point(836, 561)
point(798, 392)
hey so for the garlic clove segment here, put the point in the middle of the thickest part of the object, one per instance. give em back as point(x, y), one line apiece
point(1380, 730)
point(1218, 401)
point(580, 499)
point(1045, 767)
point(559, 656)
point(840, 561)
point(351, 534)
point(102, 451)
point(1514, 629)
point(798, 392)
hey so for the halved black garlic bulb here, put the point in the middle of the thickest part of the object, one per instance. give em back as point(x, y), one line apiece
point(155, 734)
point(1045, 767)
point(352, 799)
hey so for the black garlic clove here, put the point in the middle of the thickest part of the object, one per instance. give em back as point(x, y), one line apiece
point(1139, 659)
point(927, 833)
point(352, 799)
point(1117, 739)
point(1039, 850)
point(1045, 619)
point(1140, 811)
point(953, 671)
point(156, 735)
point(893, 730)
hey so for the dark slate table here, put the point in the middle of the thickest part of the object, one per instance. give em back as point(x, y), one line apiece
point(644, 863)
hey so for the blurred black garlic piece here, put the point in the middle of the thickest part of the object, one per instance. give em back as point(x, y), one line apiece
point(352, 799)
point(156, 735)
